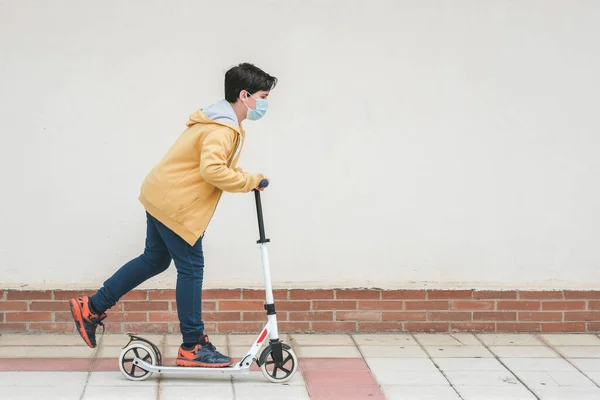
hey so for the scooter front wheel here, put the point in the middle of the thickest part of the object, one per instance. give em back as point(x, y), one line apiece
point(129, 369)
point(279, 372)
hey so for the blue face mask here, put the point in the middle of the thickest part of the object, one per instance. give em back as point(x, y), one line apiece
point(259, 112)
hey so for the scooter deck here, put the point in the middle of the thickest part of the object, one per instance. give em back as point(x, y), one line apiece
point(162, 369)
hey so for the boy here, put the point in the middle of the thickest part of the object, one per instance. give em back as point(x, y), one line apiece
point(180, 196)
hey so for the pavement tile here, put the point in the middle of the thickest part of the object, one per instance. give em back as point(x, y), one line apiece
point(536, 378)
point(420, 392)
point(393, 352)
point(46, 352)
point(45, 364)
point(523, 352)
point(171, 379)
point(241, 340)
point(579, 351)
point(469, 364)
point(537, 364)
point(371, 392)
point(41, 392)
point(109, 352)
point(329, 364)
point(571, 339)
point(510, 339)
point(513, 392)
point(208, 392)
point(105, 364)
point(120, 393)
point(595, 376)
point(553, 378)
point(447, 339)
point(46, 378)
point(171, 351)
point(481, 378)
point(257, 378)
point(586, 364)
point(271, 392)
point(385, 340)
point(120, 340)
point(236, 351)
point(340, 378)
point(9, 339)
point(327, 351)
point(113, 379)
point(400, 364)
point(458, 351)
point(571, 378)
point(320, 340)
point(411, 378)
point(568, 393)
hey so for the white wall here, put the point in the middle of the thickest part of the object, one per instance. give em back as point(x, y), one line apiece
point(410, 143)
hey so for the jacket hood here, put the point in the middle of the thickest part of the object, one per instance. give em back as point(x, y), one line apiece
point(220, 112)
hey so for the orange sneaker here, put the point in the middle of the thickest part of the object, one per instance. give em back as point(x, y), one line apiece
point(204, 354)
point(85, 321)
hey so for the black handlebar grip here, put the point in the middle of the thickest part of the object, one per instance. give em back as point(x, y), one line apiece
point(263, 184)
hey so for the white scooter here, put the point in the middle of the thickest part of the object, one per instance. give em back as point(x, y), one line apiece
point(141, 358)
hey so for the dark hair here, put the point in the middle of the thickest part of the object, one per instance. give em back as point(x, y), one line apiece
point(246, 77)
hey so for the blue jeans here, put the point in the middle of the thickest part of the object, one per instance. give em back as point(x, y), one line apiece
point(162, 246)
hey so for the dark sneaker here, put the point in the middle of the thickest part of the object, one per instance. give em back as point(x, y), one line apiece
point(204, 354)
point(85, 321)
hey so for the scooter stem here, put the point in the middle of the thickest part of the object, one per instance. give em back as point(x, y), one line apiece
point(261, 223)
point(269, 303)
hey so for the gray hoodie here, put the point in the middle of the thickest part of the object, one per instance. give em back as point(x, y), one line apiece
point(222, 111)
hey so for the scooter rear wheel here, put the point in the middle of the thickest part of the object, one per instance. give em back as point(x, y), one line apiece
point(279, 372)
point(129, 369)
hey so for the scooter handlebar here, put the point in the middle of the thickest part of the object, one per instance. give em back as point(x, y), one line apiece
point(263, 184)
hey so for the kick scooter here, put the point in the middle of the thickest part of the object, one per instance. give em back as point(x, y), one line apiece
point(141, 358)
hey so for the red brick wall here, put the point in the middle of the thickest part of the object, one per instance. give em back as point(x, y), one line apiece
point(339, 310)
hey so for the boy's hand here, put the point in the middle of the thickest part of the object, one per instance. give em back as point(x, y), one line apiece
point(261, 189)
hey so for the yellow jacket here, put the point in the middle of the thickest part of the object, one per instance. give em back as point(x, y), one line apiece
point(183, 190)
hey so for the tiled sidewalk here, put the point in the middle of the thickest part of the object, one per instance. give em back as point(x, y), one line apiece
point(392, 366)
